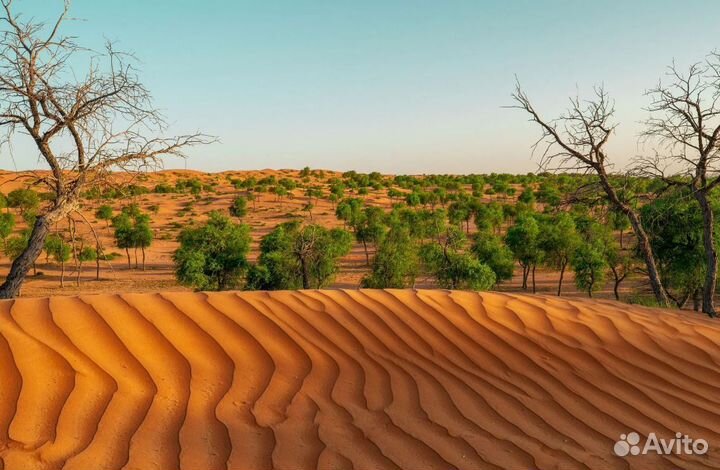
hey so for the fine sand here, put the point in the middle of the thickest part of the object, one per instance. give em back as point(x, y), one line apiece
point(350, 379)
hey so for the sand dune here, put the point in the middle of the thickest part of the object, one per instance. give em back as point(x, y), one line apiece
point(349, 379)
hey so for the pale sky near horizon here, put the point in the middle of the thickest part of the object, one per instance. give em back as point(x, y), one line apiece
point(387, 85)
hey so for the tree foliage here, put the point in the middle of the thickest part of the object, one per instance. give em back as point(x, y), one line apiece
point(454, 266)
point(213, 256)
point(396, 263)
point(299, 256)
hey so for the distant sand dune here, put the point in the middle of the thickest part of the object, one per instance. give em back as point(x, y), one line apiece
point(350, 379)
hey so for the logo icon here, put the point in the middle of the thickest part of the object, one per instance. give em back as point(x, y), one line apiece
point(628, 444)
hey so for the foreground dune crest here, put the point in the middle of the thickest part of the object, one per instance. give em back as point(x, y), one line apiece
point(349, 379)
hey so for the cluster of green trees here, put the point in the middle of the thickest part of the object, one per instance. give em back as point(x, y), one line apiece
point(682, 131)
point(59, 247)
point(132, 231)
point(440, 229)
point(213, 256)
point(431, 239)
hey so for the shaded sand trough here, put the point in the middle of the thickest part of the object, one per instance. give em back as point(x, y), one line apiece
point(349, 379)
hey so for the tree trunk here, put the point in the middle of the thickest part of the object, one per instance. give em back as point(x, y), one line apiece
point(562, 275)
point(533, 276)
point(127, 252)
point(143, 257)
point(22, 264)
point(305, 274)
point(62, 271)
point(683, 300)
point(75, 251)
point(367, 255)
point(643, 241)
point(708, 304)
point(618, 279)
point(136, 258)
point(697, 299)
point(97, 260)
point(622, 247)
point(526, 271)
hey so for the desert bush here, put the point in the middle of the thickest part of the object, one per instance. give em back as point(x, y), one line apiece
point(299, 256)
point(26, 200)
point(213, 256)
point(396, 263)
point(239, 207)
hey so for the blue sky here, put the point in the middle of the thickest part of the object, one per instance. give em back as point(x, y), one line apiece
point(388, 85)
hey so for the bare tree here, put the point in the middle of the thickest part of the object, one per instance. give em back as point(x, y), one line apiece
point(84, 124)
point(685, 121)
point(576, 141)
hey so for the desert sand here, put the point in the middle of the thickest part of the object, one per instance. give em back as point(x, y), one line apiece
point(349, 379)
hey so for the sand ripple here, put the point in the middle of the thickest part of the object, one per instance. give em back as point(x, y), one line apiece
point(349, 379)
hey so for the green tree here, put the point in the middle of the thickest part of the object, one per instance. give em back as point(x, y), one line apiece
point(490, 249)
point(489, 216)
point(523, 239)
point(527, 196)
point(105, 213)
point(619, 262)
point(396, 262)
point(239, 207)
point(213, 256)
point(15, 245)
point(394, 194)
point(26, 200)
point(370, 229)
point(621, 223)
point(350, 211)
point(424, 224)
point(309, 208)
point(295, 255)
point(60, 251)
point(123, 226)
point(142, 236)
point(589, 264)
point(459, 213)
point(413, 199)
point(453, 266)
point(558, 240)
point(549, 194)
point(86, 254)
point(132, 230)
point(281, 192)
point(674, 225)
point(7, 224)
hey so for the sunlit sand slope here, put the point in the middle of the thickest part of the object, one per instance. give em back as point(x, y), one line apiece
point(349, 379)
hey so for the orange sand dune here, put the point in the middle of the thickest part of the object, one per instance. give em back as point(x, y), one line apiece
point(350, 379)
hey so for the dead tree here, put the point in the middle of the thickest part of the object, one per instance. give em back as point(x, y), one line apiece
point(576, 142)
point(685, 123)
point(104, 113)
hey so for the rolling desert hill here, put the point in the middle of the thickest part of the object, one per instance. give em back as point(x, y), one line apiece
point(350, 379)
